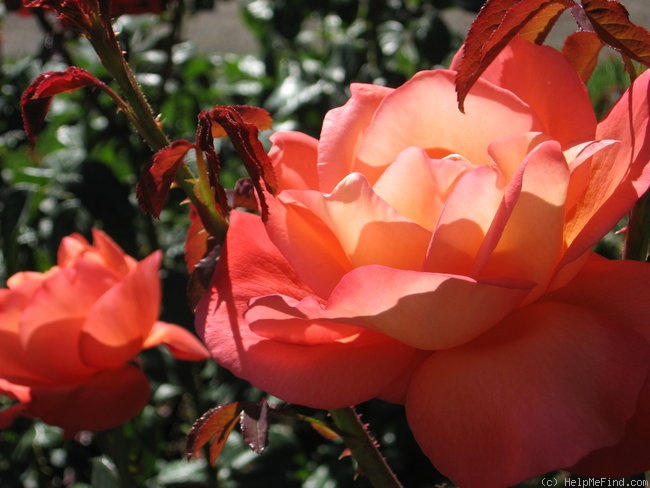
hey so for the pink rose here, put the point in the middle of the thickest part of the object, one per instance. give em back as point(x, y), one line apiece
point(443, 260)
point(69, 337)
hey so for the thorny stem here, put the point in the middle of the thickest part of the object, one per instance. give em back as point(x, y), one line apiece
point(364, 449)
point(142, 117)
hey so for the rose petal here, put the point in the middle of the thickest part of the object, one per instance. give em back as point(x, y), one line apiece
point(630, 454)
point(294, 156)
point(305, 239)
point(616, 288)
point(101, 402)
point(417, 186)
point(464, 222)
point(510, 151)
point(104, 251)
point(274, 317)
point(342, 130)
point(113, 255)
point(321, 376)
point(55, 314)
point(579, 159)
point(60, 363)
point(117, 324)
point(180, 342)
point(424, 310)
point(549, 385)
point(13, 363)
point(368, 229)
point(66, 294)
point(556, 95)
point(410, 116)
point(531, 241)
point(619, 174)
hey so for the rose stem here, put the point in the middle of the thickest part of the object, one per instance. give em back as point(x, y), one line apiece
point(364, 449)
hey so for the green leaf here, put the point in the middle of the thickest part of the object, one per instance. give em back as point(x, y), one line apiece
point(104, 473)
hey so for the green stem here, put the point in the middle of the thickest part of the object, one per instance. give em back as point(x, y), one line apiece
point(142, 117)
point(638, 230)
point(363, 448)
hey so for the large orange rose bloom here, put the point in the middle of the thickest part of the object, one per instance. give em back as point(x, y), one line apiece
point(69, 337)
point(443, 260)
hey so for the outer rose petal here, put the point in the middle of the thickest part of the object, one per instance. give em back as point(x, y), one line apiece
point(530, 396)
point(305, 240)
point(620, 174)
point(410, 116)
point(342, 131)
point(630, 454)
point(543, 78)
point(424, 310)
point(180, 342)
point(103, 250)
point(117, 324)
point(13, 362)
point(64, 294)
point(294, 156)
point(322, 376)
point(619, 289)
point(114, 257)
point(101, 402)
point(54, 314)
point(53, 351)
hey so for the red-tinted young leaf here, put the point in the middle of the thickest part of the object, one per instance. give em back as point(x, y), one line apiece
point(157, 177)
point(496, 24)
point(214, 426)
point(581, 50)
point(204, 141)
point(35, 100)
point(537, 28)
point(254, 424)
point(244, 137)
point(611, 21)
point(256, 116)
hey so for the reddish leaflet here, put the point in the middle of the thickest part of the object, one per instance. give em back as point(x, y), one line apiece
point(604, 22)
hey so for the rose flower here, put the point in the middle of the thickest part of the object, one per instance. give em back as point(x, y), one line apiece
point(69, 337)
point(443, 260)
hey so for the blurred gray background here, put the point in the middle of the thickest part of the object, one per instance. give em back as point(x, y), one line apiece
point(222, 30)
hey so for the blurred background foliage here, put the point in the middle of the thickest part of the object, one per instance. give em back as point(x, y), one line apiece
point(82, 174)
